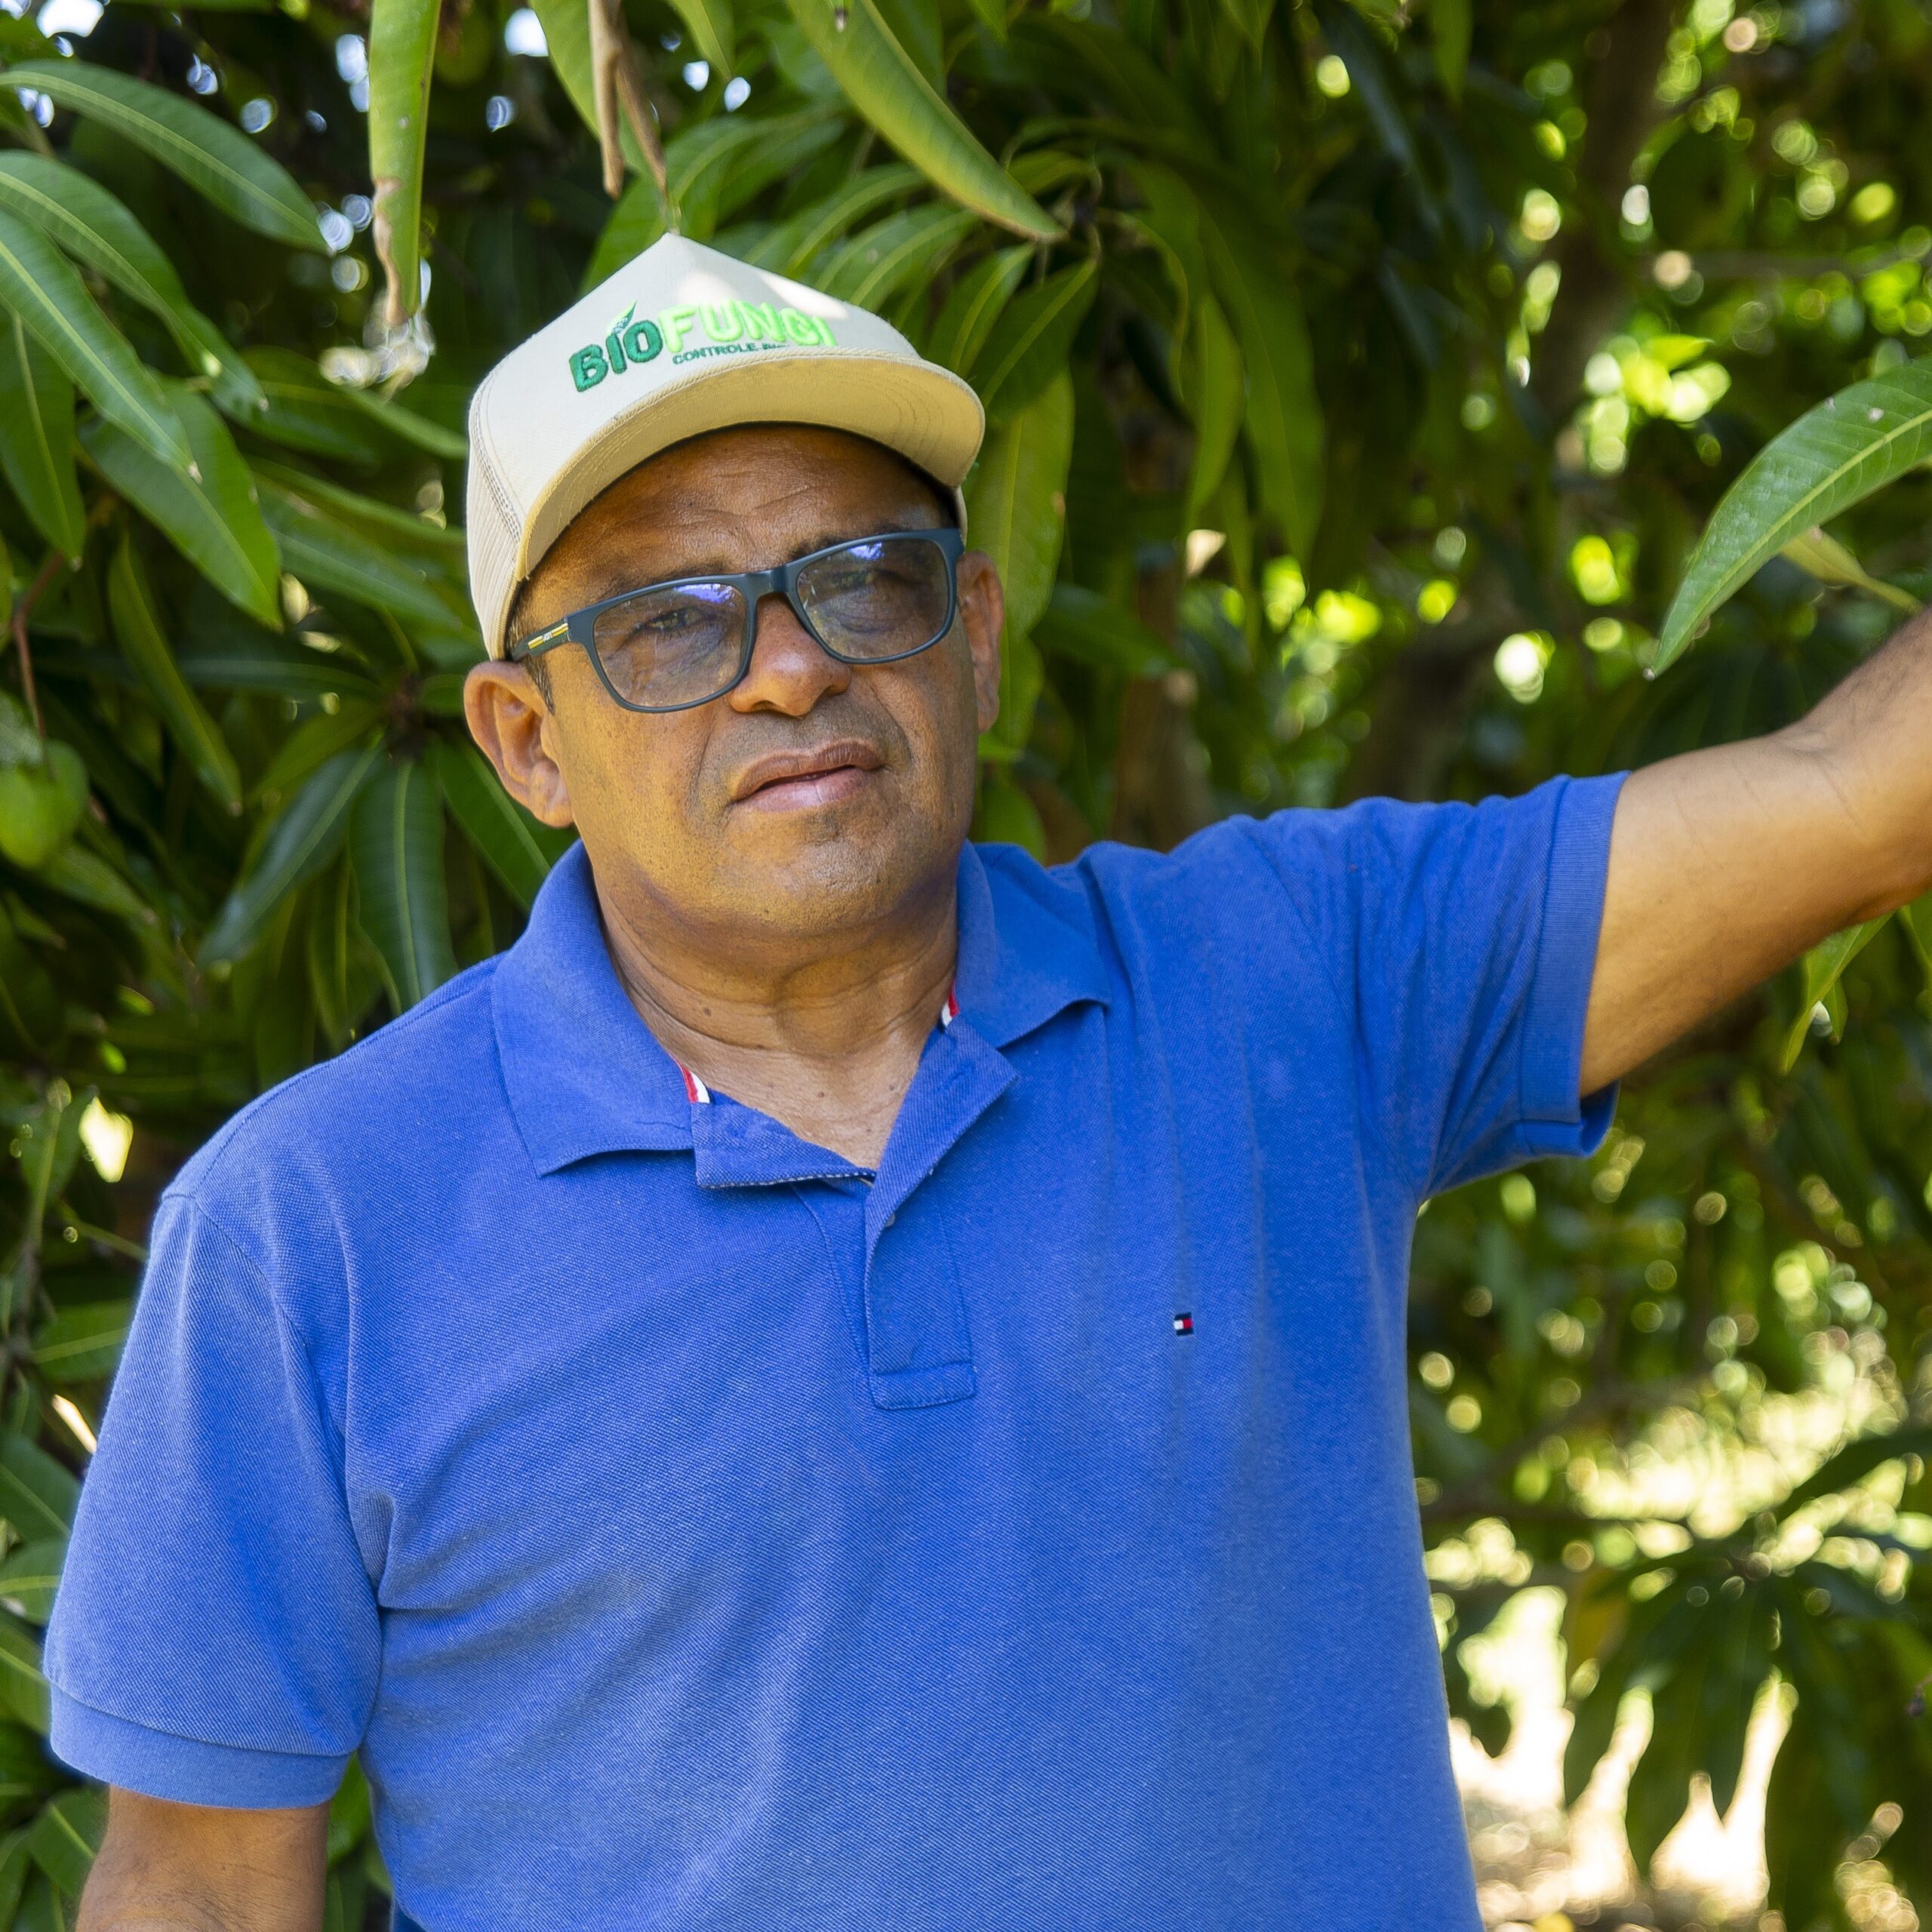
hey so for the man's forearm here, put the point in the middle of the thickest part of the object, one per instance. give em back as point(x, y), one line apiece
point(1726, 864)
point(193, 1867)
point(1872, 739)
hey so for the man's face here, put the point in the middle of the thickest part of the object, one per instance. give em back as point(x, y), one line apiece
point(813, 798)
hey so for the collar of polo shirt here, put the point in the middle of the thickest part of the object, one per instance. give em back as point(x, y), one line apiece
point(585, 1076)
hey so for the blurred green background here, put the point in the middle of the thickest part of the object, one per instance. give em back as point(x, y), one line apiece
point(1359, 378)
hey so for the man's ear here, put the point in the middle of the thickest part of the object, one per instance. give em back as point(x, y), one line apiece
point(983, 610)
point(513, 727)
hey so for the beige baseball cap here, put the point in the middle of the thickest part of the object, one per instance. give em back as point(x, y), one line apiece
point(680, 341)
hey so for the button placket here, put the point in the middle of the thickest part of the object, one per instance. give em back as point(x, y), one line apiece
point(919, 1348)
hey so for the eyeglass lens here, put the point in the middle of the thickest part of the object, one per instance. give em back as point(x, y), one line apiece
point(676, 645)
point(881, 597)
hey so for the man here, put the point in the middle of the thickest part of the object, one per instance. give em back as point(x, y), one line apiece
point(848, 1380)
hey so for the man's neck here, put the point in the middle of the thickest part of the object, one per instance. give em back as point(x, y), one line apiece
point(823, 1035)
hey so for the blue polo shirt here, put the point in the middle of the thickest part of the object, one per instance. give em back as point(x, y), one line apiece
point(689, 1529)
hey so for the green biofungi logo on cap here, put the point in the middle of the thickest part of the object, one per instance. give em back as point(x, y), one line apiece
point(730, 328)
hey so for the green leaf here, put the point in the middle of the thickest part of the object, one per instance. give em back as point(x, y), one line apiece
point(81, 1343)
point(249, 659)
point(43, 1909)
point(992, 16)
point(137, 625)
point(1917, 920)
point(93, 227)
point(52, 1135)
point(437, 545)
point(714, 167)
point(1171, 223)
point(1595, 1721)
point(300, 842)
point(1125, 72)
point(37, 437)
point(331, 556)
point(872, 267)
point(304, 410)
point(29, 1577)
point(406, 426)
point(1451, 23)
point(792, 246)
point(395, 845)
point(567, 35)
point(1823, 966)
point(1857, 1461)
point(331, 951)
point(44, 289)
point(1832, 458)
point(973, 305)
point(15, 1867)
point(1006, 815)
point(215, 159)
point(1249, 18)
point(402, 54)
point(65, 1836)
point(212, 517)
point(711, 30)
point(519, 849)
point(1741, 1662)
point(1215, 393)
point(779, 146)
point(1082, 625)
point(30, 1015)
point(884, 84)
point(1372, 85)
point(1284, 414)
point(635, 224)
point(314, 742)
point(1017, 509)
point(916, 26)
point(26, 1775)
point(1831, 561)
point(1031, 342)
point(1659, 1787)
point(89, 880)
point(36, 1494)
point(23, 1687)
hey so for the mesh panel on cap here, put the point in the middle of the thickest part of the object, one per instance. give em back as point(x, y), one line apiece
point(494, 526)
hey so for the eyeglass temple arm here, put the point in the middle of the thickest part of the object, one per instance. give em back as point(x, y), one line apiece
point(534, 647)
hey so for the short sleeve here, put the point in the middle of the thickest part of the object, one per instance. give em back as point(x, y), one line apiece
point(1461, 941)
point(215, 1638)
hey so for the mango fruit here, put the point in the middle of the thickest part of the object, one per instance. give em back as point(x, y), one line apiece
point(41, 802)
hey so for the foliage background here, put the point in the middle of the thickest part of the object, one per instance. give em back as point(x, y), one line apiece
point(1358, 384)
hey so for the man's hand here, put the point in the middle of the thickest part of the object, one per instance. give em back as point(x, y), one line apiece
point(1726, 865)
point(196, 1868)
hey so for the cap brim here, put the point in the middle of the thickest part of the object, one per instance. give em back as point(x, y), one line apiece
point(929, 416)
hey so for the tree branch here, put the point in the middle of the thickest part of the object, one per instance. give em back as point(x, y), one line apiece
point(22, 610)
point(1620, 100)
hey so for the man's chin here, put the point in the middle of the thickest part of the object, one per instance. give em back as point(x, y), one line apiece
point(828, 869)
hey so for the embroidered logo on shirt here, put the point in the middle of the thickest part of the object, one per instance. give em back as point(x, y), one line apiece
point(1184, 1324)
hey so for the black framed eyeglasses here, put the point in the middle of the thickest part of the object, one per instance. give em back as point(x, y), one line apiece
point(667, 647)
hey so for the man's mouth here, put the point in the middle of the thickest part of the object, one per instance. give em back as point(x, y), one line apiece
point(788, 781)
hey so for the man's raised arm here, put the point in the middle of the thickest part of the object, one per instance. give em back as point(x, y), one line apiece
point(197, 1868)
point(1725, 865)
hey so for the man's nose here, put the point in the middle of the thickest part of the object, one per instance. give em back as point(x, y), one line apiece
point(788, 673)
